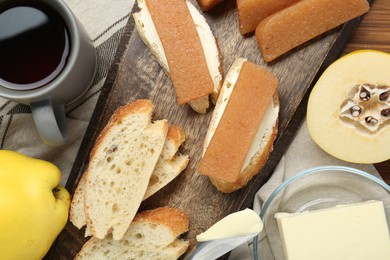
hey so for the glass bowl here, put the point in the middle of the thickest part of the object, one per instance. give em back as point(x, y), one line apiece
point(317, 188)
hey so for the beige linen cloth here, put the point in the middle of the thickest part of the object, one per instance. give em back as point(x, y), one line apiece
point(104, 20)
point(302, 154)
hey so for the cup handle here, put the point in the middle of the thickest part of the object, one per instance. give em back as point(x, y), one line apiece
point(50, 122)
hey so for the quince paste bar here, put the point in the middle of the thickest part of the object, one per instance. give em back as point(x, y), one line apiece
point(183, 49)
point(206, 5)
point(294, 25)
point(237, 128)
point(252, 12)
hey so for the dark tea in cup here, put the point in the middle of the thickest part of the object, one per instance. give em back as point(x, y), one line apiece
point(34, 44)
point(47, 61)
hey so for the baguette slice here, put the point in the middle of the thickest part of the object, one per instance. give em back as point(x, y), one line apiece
point(77, 212)
point(262, 143)
point(151, 235)
point(120, 167)
point(170, 164)
point(148, 33)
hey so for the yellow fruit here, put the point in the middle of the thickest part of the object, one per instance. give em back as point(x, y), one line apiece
point(33, 207)
point(348, 113)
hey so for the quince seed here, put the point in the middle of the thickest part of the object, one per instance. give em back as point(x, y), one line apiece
point(364, 94)
point(384, 96)
point(371, 120)
point(355, 110)
point(385, 112)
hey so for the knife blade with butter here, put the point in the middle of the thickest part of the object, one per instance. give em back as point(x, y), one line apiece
point(227, 234)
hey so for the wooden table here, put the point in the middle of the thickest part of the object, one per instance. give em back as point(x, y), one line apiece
point(374, 33)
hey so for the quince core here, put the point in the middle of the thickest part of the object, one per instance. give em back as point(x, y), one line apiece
point(348, 113)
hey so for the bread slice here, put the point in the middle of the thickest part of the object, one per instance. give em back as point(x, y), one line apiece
point(77, 212)
point(262, 143)
point(148, 33)
point(120, 167)
point(151, 235)
point(170, 164)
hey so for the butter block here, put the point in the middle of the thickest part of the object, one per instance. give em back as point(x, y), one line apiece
point(355, 231)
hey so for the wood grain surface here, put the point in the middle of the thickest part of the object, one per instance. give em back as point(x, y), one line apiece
point(136, 74)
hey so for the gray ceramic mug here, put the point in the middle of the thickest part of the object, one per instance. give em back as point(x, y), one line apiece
point(48, 99)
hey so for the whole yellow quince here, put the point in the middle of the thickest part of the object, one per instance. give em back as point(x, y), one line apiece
point(33, 207)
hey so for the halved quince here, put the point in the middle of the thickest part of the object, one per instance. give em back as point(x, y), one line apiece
point(348, 113)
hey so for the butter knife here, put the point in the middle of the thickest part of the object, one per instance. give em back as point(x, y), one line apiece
point(213, 249)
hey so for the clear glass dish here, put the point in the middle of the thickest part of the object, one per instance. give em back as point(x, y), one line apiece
point(317, 188)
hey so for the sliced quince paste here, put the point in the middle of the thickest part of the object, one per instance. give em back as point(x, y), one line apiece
point(348, 113)
point(206, 5)
point(298, 23)
point(232, 139)
point(186, 61)
point(252, 12)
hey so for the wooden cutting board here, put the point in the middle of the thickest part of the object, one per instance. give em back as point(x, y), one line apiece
point(136, 74)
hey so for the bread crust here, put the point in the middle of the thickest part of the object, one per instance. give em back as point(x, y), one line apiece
point(177, 220)
point(176, 134)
